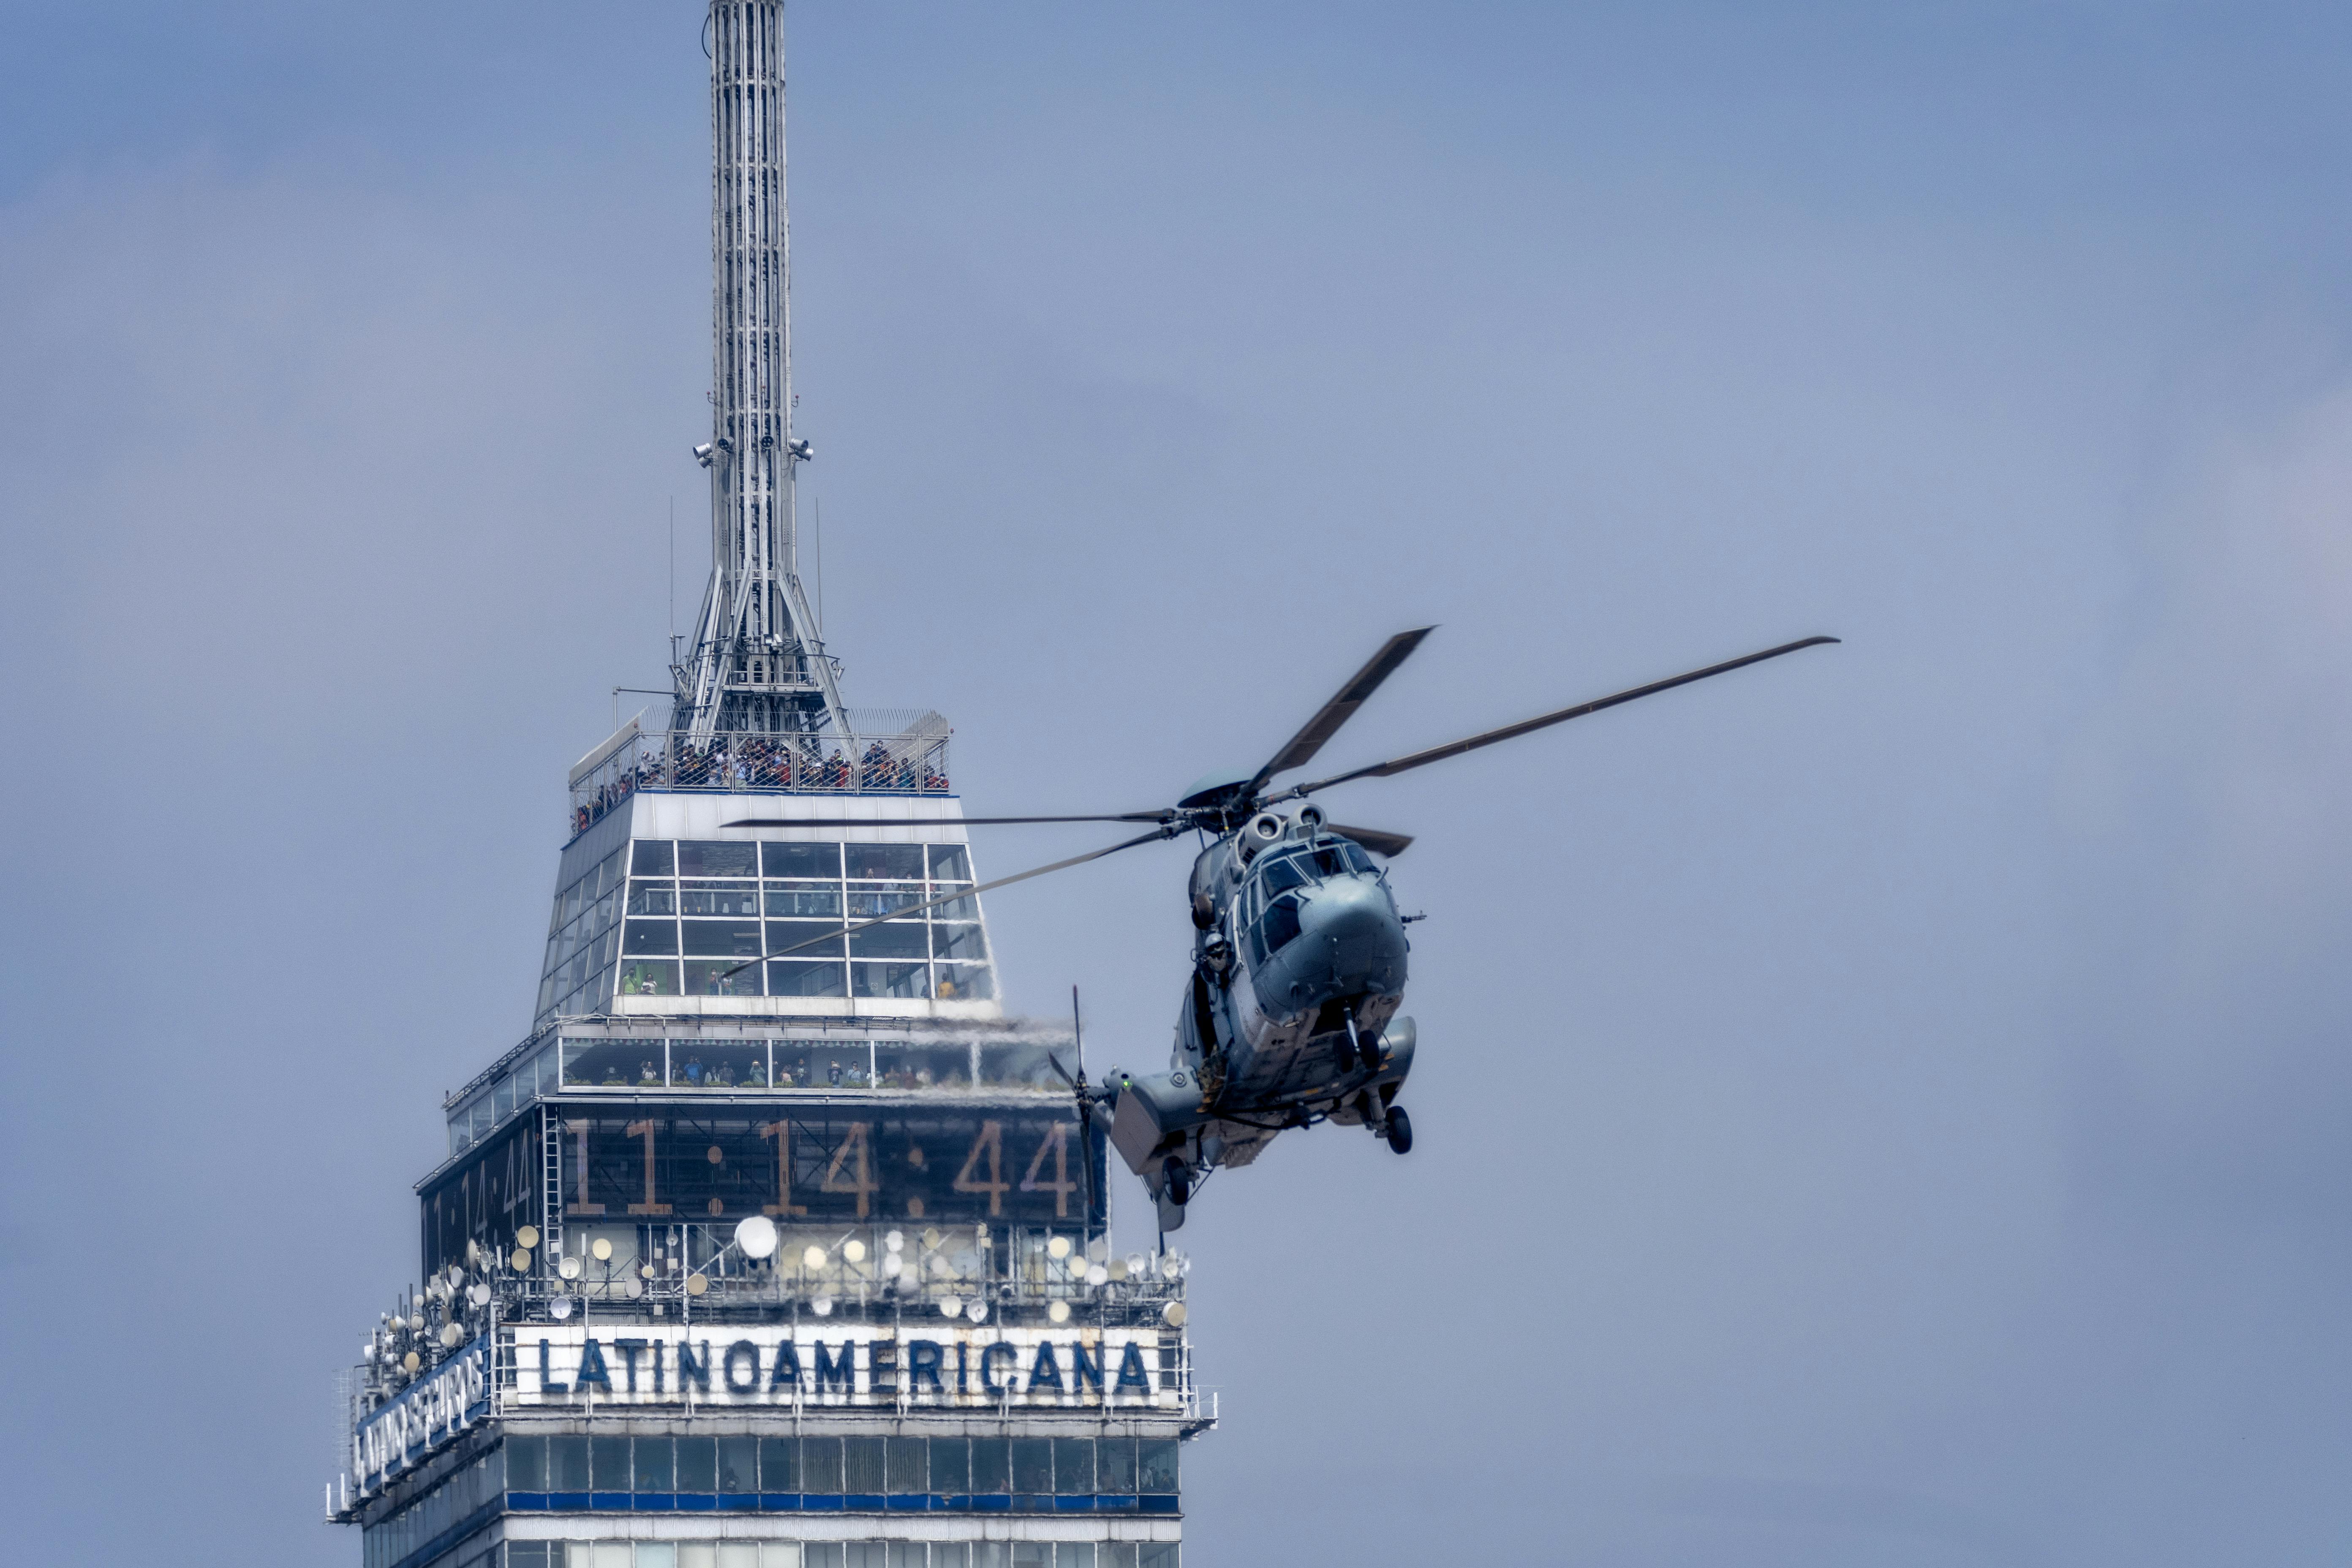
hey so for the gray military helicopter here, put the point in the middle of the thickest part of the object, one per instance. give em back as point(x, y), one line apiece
point(1298, 953)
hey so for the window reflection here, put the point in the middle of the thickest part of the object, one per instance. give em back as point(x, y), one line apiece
point(966, 983)
point(652, 899)
point(718, 899)
point(812, 860)
point(697, 859)
point(890, 862)
point(792, 977)
point(904, 981)
point(722, 977)
point(803, 899)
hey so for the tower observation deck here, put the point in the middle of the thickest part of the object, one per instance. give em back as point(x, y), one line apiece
point(775, 1243)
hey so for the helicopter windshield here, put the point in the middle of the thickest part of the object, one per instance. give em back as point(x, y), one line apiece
point(1296, 868)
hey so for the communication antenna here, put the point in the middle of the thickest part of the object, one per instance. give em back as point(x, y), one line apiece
point(757, 1237)
point(1085, 1103)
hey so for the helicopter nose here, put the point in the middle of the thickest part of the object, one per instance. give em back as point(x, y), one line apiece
point(1352, 924)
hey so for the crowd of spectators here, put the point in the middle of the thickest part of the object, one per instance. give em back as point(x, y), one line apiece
point(757, 762)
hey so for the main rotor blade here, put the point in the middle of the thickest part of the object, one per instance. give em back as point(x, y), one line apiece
point(1342, 706)
point(1390, 845)
point(949, 898)
point(1510, 732)
point(937, 821)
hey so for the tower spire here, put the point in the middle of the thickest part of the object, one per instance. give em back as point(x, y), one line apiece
point(757, 664)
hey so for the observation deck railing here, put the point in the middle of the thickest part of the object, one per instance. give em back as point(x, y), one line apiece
point(913, 762)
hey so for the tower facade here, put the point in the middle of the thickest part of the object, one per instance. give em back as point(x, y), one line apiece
point(775, 1243)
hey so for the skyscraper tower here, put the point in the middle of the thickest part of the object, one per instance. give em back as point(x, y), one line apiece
point(775, 1243)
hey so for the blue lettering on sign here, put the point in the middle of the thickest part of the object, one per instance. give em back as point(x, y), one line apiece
point(987, 1365)
point(788, 1367)
point(689, 1365)
point(1132, 1373)
point(831, 1373)
point(738, 1353)
point(592, 1367)
point(924, 1359)
point(1085, 1369)
point(547, 1383)
point(1046, 1369)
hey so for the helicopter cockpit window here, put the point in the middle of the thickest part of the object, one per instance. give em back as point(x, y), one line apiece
point(1278, 873)
point(1337, 859)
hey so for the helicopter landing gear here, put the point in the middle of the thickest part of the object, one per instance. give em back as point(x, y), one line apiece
point(1400, 1129)
point(1176, 1182)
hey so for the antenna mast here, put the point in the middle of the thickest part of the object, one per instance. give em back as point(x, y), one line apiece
point(757, 665)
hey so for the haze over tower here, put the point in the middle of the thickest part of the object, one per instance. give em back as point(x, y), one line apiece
point(757, 664)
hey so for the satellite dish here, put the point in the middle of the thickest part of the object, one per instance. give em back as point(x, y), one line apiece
point(416, 1321)
point(1099, 1275)
point(520, 1259)
point(896, 1240)
point(1172, 1314)
point(527, 1236)
point(822, 1306)
point(1171, 1266)
point(569, 1268)
point(757, 1237)
point(560, 1309)
point(1059, 1311)
point(941, 1266)
point(645, 1270)
point(931, 1238)
point(854, 1250)
point(411, 1361)
point(1058, 1248)
point(1097, 1249)
point(977, 1312)
point(636, 1288)
point(479, 1295)
point(696, 1284)
point(602, 1249)
point(950, 1308)
point(452, 1336)
point(1116, 1269)
point(1137, 1264)
point(812, 1258)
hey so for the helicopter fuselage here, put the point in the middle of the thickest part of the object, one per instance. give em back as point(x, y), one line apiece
point(1290, 1014)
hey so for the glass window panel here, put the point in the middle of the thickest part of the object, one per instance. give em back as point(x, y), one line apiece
point(955, 909)
point(992, 1465)
point(697, 1554)
point(1074, 1465)
point(651, 857)
point(907, 1461)
point(780, 1465)
point(661, 1555)
point(718, 1064)
point(1157, 1555)
point(1032, 1464)
point(738, 1465)
point(1115, 1461)
point(1156, 1464)
point(861, 1465)
point(886, 862)
point(780, 1554)
point(820, 861)
point(950, 1554)
point(738, 1554)
point(1073, 1554)
point(607, 1554)
point(718, 939)
point(816, 1554)
point(527, 1464)
point(960, 939)
point(950, 1465)
point(461, 1132)
point(703, 858)
point(698, 1465)
point(923, 1067)
point(1021, 1065)
point(519, 1554)
point(718, 899)
point(649, 977)
point(805, 939)
point(655, 937)
point(1033, 1554)
point(907, 1554)
point(865, 1555)
point(608, 1464)
point(722, 977)
point(897, 939)
point(820, 1465)
point(572, 896)
point(653, 898)
point(657, 1464)
point(905, 980)
point(966, 983)
point(791, 977)
point(873, 899)
point(591, 1063)
point(567, 1464)
point(792, 898)
point(950, 863)
point(504, 1103)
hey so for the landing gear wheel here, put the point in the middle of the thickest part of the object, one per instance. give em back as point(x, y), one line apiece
point(1400, 1133)
point(1177, 1182)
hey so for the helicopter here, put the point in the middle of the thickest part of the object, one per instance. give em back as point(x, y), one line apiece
point(1289, 1017)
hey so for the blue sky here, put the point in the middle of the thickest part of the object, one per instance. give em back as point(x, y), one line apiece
point(1887, 1105)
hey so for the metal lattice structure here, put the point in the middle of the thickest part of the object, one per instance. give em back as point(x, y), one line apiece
point(757, 665)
